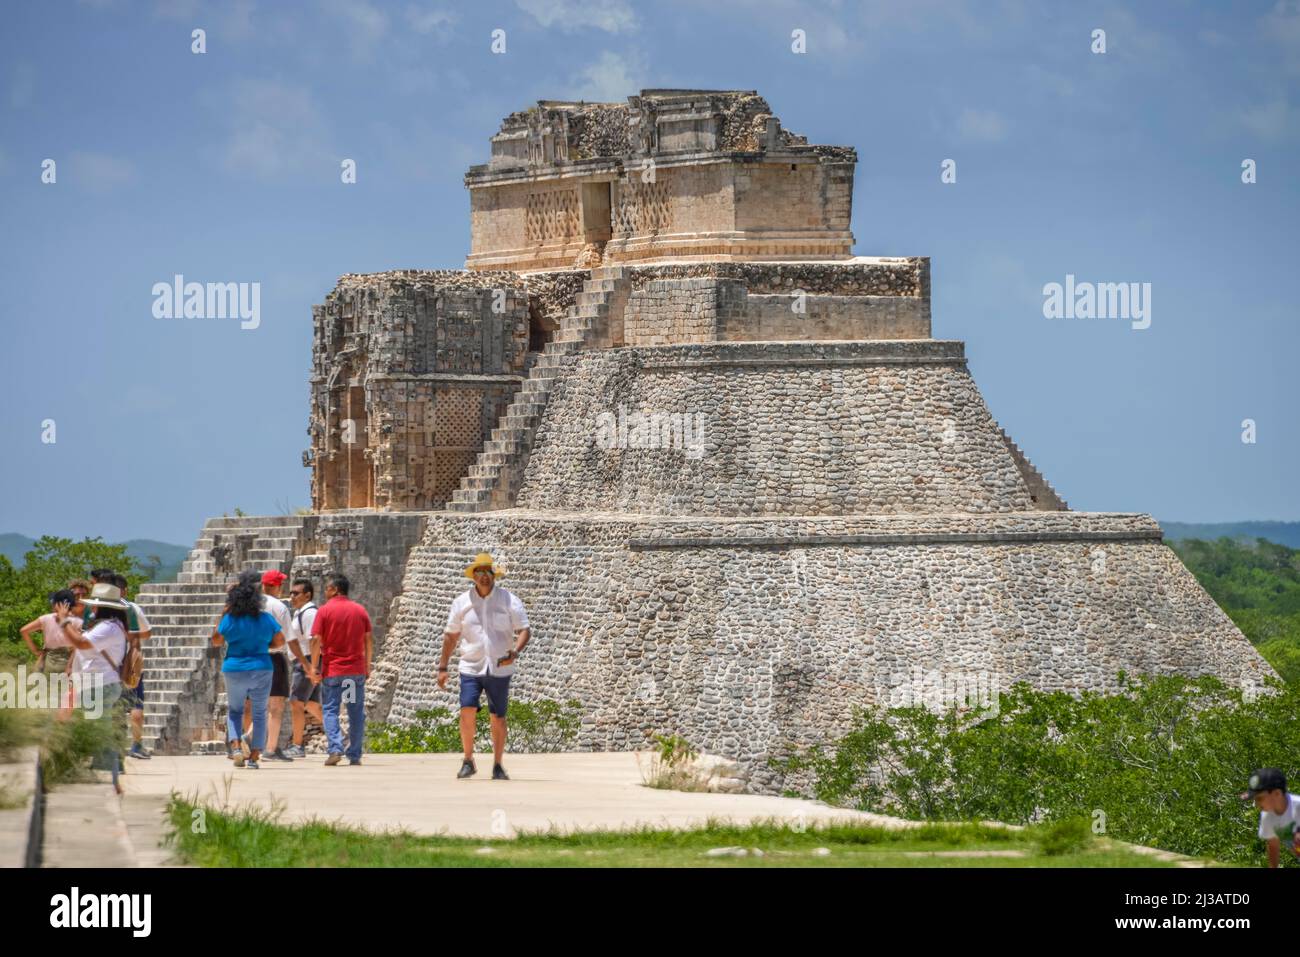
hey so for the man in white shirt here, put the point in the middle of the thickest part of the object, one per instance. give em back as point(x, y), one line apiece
point(304, 689)
point(272, 581)
point(491, 626)
point(1279, 813)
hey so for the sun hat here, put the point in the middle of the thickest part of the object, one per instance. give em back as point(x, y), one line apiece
point(104, 595)
point(482, 559)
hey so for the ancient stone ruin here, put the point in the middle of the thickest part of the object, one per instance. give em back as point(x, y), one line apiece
point(741, 488)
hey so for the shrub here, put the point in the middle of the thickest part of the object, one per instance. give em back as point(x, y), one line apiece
point(1065, 836)
point(67, 744)
point(672, 766)
point(535, 727)
point(1161, 762)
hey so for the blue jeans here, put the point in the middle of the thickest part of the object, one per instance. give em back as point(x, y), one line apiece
point(333, 692)
point(256, 687)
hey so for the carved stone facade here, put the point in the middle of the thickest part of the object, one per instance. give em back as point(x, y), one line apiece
point(410, 371)
point(671, 174)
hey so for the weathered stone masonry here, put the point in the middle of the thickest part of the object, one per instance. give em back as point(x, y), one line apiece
point(847, 511)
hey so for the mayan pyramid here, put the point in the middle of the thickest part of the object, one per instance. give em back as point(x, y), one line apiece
point(739, 485)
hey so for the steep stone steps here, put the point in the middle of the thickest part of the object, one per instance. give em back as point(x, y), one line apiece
point(181, 669)
point(1045, 497)
point(594, 322)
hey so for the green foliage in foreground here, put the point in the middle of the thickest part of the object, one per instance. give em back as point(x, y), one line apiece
point(67, 744)
point(1258, 585)
point(536, 727)
point(252, 837)
point(49, 566)
point(1161, 764)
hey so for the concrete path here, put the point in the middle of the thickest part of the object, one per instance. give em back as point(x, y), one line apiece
point(420, 793)
point(87, 825)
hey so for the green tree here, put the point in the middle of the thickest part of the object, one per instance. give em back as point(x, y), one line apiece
point(50, 564)
point(1258, 585)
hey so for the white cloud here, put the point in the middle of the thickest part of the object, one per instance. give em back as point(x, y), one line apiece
point(1269, 121)
point(1039, 79)
point(1282, 26)
point(981, 126)
point(1131, 42)
point(430, 20)
point(611, 79)
point(99, 172)
point(230, 20)
point(612, 16)
point(365, 23)
point(275, 129)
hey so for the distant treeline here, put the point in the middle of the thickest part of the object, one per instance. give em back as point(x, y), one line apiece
point(1258, 584)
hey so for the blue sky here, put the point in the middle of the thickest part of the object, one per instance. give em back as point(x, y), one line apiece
point(224, 167)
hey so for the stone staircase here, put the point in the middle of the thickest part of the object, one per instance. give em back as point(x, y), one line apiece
point(181, 668)
point(1044, 496)
point(595, 322)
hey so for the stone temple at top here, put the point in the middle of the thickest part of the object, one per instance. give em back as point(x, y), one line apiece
point(669, 175)
point(741, 488)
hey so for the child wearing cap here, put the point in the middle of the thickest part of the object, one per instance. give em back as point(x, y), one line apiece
point(1279, 813)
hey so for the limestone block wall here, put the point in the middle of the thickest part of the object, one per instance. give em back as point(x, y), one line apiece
point(738, 302)
point(777, 317)
point(698, 310)
point(748, 636)
point(771, 429)
point(371, 548)
point(675, 311)
point(775, 196)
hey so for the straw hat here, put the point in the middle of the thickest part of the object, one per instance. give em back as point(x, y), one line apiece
point(104, 595)
point(484, 559)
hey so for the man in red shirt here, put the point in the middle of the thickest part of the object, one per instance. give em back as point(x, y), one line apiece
point(341, 664)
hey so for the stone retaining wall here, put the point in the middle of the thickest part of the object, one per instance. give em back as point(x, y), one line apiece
point(747, 650)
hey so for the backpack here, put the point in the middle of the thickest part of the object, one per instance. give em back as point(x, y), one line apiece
point(132, 669)
point(132, 666)
point(297, 617)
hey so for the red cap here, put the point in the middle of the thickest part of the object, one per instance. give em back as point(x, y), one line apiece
point(273, 577)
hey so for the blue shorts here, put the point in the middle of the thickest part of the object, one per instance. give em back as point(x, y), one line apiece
point(496, 686)
point(134, 696)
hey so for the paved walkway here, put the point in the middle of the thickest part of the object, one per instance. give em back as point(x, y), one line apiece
point(87, 825)
point(420, 793)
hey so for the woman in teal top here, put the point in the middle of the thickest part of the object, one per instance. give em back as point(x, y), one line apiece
point(249, 634)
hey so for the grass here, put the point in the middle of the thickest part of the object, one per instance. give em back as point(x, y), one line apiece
point(67, 745)
point(255, 837)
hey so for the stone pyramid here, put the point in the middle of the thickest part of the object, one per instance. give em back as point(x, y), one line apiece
point(743, 491)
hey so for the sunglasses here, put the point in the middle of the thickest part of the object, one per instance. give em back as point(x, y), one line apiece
point(296, 591)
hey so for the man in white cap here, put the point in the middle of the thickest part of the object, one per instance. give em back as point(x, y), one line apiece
point(494, 628)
